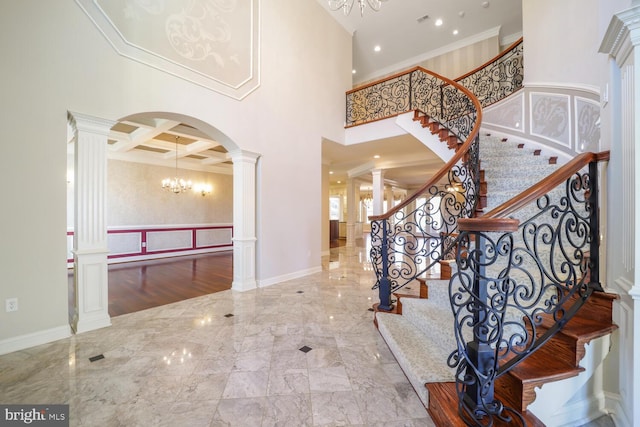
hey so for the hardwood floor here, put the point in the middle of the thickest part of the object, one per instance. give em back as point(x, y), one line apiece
point(136, 286)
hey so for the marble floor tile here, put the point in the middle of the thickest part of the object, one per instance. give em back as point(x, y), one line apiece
point(230, 359)
point(335, 409)
point(329, 379)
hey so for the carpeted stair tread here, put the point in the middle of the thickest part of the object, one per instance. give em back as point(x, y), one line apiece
point(419, 357)
point(434, 320)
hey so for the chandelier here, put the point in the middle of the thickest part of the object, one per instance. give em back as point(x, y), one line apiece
point(347, 5)
point(176, 185)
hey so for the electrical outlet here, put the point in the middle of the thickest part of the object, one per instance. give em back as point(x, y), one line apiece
point(11, 304)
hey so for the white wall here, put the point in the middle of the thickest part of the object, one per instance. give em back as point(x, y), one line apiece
point(561, 42)
point(55, 60)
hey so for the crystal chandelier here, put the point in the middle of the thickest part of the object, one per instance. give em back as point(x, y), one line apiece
point(176, 185)
point(347, 5)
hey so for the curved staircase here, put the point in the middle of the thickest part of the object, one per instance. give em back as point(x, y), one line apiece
point(420, 331)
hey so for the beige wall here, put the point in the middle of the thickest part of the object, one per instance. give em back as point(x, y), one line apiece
point(455, 63)
point(460, 61)
point(135, 197)
point(55, 60)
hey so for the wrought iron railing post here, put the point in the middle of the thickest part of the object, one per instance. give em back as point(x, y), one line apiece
point(479, 393)
point(594, 223)
point(478, 295)
point(384, 288)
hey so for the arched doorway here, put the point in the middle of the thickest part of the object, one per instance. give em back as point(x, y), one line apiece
point(91, 139)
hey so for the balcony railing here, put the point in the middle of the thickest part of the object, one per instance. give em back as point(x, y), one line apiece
point(413, 90)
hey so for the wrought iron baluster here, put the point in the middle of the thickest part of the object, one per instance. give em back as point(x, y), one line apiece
point(384, 286)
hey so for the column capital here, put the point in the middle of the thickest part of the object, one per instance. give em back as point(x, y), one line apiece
point(244, 156)
point(90, 124)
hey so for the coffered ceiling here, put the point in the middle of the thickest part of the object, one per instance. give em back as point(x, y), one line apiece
point(154, 141)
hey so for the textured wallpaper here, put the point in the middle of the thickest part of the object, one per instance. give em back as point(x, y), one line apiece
point(135, 196)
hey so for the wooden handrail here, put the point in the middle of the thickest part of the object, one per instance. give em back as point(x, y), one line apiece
point(457, 156)
point(491, 61)
point(491, 221)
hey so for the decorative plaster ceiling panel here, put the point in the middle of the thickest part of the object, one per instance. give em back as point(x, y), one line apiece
point(213, 43)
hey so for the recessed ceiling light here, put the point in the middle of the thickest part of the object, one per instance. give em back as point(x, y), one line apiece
point(377, 48)
point(353, 71)
point(438, 22)
point(339, 182)
point(330, 172)
point(377, 156)
point(455, 32)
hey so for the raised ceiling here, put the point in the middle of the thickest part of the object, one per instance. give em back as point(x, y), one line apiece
point(406, 32)
point(396, 28)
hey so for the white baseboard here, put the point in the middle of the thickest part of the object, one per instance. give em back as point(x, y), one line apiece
point(291, 276)
point(613, 403)
point(22, 342)
point(580, 412)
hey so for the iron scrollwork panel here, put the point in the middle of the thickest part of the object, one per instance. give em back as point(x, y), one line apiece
point(518, 282)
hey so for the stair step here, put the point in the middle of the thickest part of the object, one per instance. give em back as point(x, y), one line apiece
point(524, 168)
point(432, 318)
point(418, 355)
point(443, 408)
point(599, 306)
point(569, 343)
point(518, 385)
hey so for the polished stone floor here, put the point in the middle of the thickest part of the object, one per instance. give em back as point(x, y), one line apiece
point(300, 353)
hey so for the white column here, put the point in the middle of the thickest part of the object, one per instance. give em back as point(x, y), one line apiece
point(244, 220)
point(91, 309)
point(389, 196)
point(622, 43)
point(352, 211)
point(378, 191)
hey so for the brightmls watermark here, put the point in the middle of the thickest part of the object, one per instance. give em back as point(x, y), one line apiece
point(34, 415)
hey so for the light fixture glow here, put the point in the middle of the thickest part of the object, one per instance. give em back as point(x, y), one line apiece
point(377, 156)
point(377, 48)
point(203, 189)
point(176, 185)
point(455, 32)
point(438, 22)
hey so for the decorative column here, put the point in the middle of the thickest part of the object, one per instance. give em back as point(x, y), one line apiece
point(622, 107)
point(244, 220)
point(378, 191)
point(352, 211)
point(90, 251)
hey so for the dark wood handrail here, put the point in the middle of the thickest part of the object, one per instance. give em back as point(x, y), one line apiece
point(457, 156)
point(491, 61)
point(492, 220)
